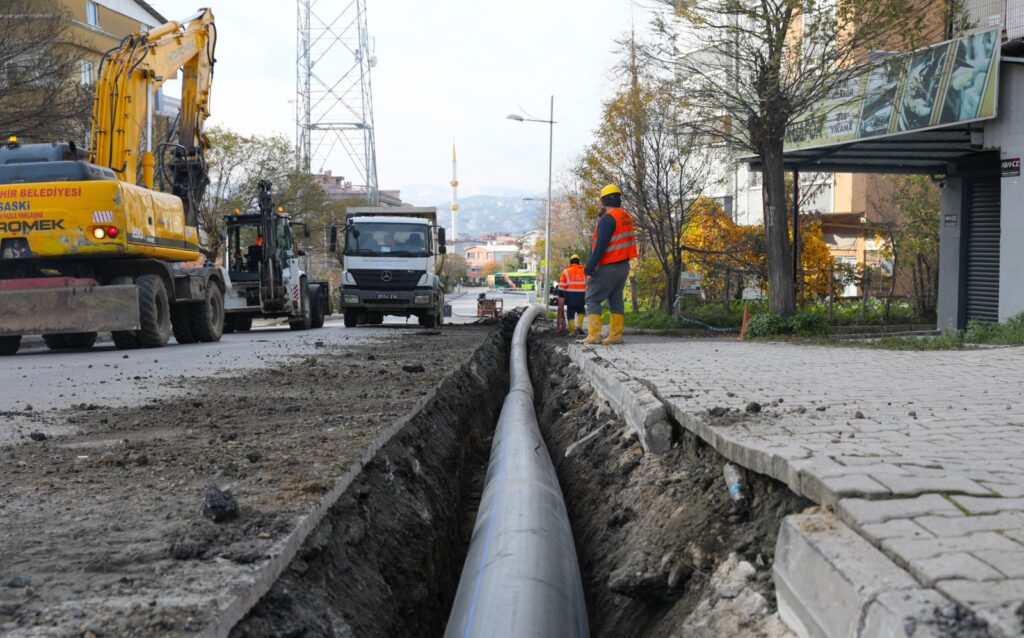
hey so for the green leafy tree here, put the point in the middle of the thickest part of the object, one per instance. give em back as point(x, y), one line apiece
point(453, 270)
point(909, 207)
point(237, 164)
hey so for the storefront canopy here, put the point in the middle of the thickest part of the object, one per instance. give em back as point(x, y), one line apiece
point(925, 152)
point(916, 112)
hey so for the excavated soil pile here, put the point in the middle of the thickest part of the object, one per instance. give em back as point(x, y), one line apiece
point(662, 548)
point(386, 560)
point(151, 521)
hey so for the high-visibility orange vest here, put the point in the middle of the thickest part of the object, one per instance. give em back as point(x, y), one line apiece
point(573, 278)
point(622, 245)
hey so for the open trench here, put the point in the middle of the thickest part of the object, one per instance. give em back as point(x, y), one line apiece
point(662, 549)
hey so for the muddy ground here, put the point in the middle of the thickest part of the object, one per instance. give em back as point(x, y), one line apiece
point(104, 531)
point(386, 560)
point(662, 548)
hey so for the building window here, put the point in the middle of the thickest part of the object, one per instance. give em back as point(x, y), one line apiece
point(87, 72)
point(92, 13)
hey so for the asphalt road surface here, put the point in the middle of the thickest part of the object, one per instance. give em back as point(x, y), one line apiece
point(37, 383)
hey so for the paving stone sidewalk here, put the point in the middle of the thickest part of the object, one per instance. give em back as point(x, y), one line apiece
point(922, 453)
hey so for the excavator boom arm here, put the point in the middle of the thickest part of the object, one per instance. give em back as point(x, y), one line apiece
point(129, 77)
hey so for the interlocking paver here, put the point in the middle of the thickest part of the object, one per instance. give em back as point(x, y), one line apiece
point(933, 474)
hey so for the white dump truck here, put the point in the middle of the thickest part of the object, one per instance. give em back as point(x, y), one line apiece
point(391, 259)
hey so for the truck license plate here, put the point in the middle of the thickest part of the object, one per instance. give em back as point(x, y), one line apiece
point(385, 295)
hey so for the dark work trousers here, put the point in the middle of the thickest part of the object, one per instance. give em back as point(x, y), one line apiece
point(574, 302)
point(607, 284)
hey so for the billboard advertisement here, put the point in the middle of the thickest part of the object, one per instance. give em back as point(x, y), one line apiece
point(952, 82)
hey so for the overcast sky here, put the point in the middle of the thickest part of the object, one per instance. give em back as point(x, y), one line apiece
point(446, 68)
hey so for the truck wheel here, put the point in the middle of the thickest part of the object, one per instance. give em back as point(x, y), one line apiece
point(124, 339)
point(351, 319)
point(9, 345)
point(316, 311)
point(207, 317)
point(302, 322)
point(154, 312)
point(243, 324)
point(181, 323)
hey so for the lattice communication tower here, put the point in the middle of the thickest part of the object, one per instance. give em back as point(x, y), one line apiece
point(334, 101)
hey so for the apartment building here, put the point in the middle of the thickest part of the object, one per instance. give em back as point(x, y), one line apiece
point(99, 25)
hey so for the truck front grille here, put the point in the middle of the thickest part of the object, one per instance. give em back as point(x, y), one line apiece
point(386, 279)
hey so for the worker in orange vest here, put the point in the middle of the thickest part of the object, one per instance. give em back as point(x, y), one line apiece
point(572, 286)
point(612, 246)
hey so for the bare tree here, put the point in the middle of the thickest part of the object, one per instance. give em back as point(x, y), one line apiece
point(661, 165)
point(41, 94)
point(754, 68)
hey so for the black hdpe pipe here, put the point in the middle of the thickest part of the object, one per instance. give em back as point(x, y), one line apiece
point(521, 577)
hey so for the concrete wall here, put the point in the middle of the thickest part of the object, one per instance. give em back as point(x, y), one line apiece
point(952, 221)
point(1006, 133)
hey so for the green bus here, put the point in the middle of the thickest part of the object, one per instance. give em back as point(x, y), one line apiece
point(512, 280)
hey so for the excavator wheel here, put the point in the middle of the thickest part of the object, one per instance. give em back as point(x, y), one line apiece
point(303, 322)
point(207, 316)
point(54, 341)
point(70, 340)
point(154, 312)
point(80, 340)
point(181, 323)
point(9, 345)
point(124, 339)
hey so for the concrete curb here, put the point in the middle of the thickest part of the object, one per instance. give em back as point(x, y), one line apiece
point(240, 599)
point(830, 581)
point(630, 399)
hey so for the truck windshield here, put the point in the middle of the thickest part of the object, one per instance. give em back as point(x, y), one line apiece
point(388, 239)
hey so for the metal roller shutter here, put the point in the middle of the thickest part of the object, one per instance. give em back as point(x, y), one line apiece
point(982, 300)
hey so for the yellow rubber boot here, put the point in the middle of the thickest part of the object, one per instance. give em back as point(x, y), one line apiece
point(594, 330)
point(615, 331)
point(579, 323)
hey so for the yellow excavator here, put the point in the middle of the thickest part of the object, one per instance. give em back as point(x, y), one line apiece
point(87, 245)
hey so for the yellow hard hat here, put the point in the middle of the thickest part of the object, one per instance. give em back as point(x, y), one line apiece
point(574, 257)
point(610, 189)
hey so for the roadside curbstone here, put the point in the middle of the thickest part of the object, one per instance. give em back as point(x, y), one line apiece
point(637, 405)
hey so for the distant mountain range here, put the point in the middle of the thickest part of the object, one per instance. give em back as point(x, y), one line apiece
point(492, 210)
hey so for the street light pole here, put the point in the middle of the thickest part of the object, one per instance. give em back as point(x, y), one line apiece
point(547, 222)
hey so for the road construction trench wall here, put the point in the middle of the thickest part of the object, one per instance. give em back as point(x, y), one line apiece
point(386, 559)
point(662, 549)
